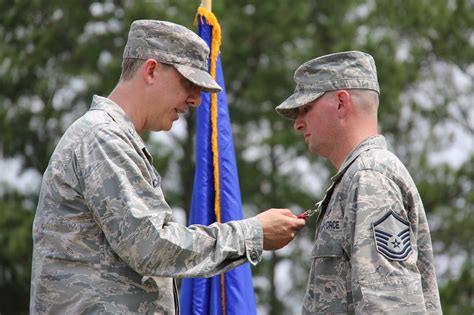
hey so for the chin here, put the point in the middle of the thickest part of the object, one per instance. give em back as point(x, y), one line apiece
point(313, 150)
point(167, 127)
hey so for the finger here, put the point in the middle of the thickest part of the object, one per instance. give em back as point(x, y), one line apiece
point(300, 223)
point(287, 212)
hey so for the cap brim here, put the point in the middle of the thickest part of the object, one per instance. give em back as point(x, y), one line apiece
point(289, 108)
point(199, 77)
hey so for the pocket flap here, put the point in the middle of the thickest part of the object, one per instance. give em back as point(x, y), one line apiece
point(327, 248)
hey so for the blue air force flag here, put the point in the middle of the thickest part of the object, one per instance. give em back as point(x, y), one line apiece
point(231, 293)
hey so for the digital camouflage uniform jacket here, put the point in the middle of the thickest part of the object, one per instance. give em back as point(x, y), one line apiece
point(104, 240)
point(372, 251)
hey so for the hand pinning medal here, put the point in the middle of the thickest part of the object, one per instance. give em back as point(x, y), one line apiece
point(310, 212)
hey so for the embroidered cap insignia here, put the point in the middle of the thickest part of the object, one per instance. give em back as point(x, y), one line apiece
point(392, 237)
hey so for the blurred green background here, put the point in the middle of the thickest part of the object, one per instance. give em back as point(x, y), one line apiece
point(54, 55)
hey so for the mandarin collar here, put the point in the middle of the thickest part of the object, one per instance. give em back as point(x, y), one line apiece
point(118, 115)
point(377, 141)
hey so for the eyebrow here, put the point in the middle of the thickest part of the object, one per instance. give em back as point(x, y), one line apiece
point(189, 84)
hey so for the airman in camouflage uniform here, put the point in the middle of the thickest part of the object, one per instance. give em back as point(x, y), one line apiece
point(372, 251)
point(104, 238)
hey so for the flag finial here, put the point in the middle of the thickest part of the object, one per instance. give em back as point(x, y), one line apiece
point(207, 4)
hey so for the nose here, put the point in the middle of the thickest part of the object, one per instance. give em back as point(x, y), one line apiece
point(194, 96)
point(298, 125)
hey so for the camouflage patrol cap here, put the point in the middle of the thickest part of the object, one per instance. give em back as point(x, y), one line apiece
point(343, 70)
point(172, 44)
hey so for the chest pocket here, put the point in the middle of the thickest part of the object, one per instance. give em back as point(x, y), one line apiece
point(329, 234)
point(331, 248)
point(328, 291)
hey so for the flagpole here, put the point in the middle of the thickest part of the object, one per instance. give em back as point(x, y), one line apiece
point(216, 181)
point(207, 4)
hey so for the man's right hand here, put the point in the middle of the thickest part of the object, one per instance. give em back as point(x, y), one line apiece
point(279, 226)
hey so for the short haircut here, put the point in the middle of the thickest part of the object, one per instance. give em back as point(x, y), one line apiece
point(366, 100)
point(131, 65)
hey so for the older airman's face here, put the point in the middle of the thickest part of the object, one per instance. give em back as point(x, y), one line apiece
point(169, 97)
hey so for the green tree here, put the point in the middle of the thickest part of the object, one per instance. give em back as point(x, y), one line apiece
point(15, 252)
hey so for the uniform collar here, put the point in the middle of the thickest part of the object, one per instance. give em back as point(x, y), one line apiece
point(367, 144)
point(118, 115)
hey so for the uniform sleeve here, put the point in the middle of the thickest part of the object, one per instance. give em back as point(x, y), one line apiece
point(381, 242)
point(136, 220)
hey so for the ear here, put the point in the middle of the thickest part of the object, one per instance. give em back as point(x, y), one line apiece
point(148, 70)
point(344, 104)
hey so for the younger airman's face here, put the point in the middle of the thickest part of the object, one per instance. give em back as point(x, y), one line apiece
point(318, 124)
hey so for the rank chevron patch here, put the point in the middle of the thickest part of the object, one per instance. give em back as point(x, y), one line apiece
point(392, 236)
